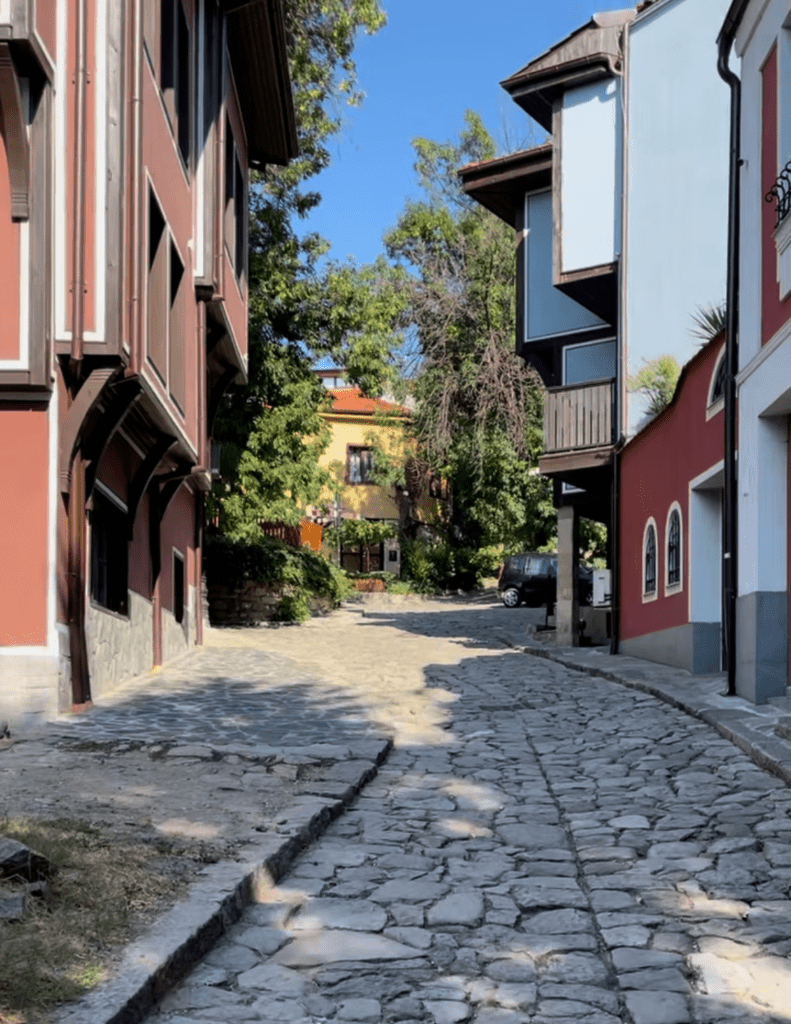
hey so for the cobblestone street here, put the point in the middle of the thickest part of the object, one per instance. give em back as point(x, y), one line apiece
point(540, 846)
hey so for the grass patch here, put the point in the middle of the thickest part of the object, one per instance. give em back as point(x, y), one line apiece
point(100, 895)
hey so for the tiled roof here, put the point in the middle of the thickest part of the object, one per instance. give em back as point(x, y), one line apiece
point(353, 401)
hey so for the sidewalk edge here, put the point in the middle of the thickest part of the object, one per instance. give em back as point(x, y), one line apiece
point(161, 958)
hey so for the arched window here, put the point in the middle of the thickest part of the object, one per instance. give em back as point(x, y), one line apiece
point(673, 559)
point(717, 391)
point(649, 561)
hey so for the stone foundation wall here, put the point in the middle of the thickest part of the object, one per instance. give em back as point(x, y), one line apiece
point(28, 690)
point(119, 647)
point(178, 637)
point(248, 603)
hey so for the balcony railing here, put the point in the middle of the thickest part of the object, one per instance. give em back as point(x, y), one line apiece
point(780, 194)
point(578, 416)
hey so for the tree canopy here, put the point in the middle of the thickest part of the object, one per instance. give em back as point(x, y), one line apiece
point(300, 309)
point(478, 410)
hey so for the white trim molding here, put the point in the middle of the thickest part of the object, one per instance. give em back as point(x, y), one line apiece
point(674, 588)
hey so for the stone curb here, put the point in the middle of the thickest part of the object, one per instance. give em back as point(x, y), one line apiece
point(758, 730)
point(157, 962)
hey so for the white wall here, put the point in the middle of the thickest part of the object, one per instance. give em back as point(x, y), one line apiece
point(548, 311)
point(587, 175)
point(676, 177)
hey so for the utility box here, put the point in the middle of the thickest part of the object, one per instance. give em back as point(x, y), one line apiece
point(602, 590)
point(392, 556)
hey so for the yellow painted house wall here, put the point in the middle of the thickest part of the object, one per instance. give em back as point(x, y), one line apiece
point(370, 501)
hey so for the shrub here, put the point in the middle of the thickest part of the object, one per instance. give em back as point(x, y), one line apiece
point(301, 573)
point(435, 567)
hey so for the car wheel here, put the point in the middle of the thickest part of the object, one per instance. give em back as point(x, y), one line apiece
point(511, 598)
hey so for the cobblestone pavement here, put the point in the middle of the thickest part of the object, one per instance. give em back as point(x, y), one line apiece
point(552, 848)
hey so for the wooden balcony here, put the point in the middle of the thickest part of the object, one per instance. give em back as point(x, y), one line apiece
point(578, 426)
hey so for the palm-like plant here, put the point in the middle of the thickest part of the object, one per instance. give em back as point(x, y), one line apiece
point(709, 321)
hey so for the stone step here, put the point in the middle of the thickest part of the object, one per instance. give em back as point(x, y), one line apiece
point(783, 728)
point(782, 703)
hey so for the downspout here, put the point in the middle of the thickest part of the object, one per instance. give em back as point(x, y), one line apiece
point(78, 244)
point(136, 233)
point(619, 411)
point(730, 495)
point(80, 677)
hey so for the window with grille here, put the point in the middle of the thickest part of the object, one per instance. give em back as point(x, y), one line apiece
point(674, 549)
point(649, 577)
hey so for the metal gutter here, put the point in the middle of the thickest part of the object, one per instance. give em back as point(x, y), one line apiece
point(730, 495)
point(78, 184)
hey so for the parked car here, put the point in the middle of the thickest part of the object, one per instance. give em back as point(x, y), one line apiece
point(532, 578)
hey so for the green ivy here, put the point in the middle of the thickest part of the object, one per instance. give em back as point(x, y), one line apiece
point(301, 573)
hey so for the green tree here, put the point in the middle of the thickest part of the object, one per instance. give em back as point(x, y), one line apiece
point(657, 380)
point(478, 415)
point(301, 309)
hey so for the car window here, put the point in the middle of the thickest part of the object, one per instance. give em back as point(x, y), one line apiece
point(515, 564)
point(540, 565)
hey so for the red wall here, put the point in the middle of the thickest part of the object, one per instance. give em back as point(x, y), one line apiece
point(24, 457)
point(774, 312)
point(656, 467)
point(178, 531)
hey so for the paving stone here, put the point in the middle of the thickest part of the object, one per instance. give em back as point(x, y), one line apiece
point(658, 1007)
point(457, 908)
point(446, 1011)
point(359, 1009)
point(417, 891)
point(354, 915)
point(334, 946)
point(279, 981)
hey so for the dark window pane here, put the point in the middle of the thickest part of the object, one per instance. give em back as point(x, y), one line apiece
point(109, 555)
point(178, 587)
point(650, 561)
point(674, 549)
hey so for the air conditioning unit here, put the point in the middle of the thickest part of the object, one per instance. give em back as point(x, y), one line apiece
point(602, 589)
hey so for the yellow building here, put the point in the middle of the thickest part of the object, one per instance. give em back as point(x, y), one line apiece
point(358, 426)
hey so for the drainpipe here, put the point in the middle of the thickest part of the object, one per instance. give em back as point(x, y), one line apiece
point(730, 495)
point(76, 532)
point(78, 246)
point(136, 200)
point(615, 550)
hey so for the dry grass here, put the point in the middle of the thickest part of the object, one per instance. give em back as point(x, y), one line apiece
point(101, 894)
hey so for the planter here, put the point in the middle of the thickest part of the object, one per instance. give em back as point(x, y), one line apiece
point(370, 586)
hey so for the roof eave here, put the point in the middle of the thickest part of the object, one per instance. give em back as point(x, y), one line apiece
point(259, 59)
point(499, 185)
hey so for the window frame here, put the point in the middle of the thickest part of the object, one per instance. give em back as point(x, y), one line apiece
point(166, 359)
point(109, 548)
point(179, 592)
point(674, 587)
point(716, 404)
point(235, 213)
point(358, 449)
point(649, 529)
point(167, 37)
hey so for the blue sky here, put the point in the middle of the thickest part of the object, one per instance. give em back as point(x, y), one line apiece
point(434, 60)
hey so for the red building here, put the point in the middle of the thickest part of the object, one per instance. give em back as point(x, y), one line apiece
point(671, 524)
point(127, 132)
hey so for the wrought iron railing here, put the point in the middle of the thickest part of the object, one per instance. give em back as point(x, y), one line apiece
point(780, 193)
point(579, 416)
